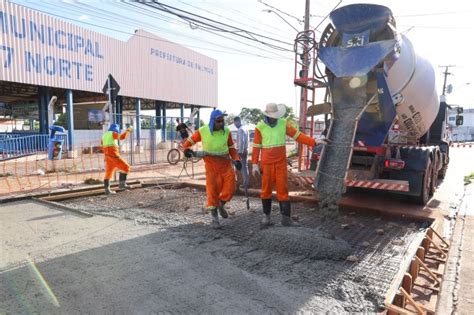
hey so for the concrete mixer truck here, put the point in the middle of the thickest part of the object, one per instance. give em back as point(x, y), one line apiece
point(387, 127)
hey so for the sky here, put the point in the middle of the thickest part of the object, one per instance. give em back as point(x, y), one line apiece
point(251, 74)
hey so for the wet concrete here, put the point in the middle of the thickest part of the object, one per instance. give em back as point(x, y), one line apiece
point(310, 243)
point(348, 102)
point(308, 261)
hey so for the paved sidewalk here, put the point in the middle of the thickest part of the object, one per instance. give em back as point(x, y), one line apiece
point(457, 291)
point(465, 295)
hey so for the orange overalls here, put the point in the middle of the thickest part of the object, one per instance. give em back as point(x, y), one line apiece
point(270, 143)
point(220, 175)
point(112, 156)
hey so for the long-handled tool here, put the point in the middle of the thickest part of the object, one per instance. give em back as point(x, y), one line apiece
point(246, 186)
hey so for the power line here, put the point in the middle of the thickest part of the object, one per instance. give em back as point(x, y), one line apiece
point(282, 12)
point(439, 27)
point(105, 13)
point(244, 15)
point(214, 25)
point(227, 18)
point(148, 37)
point(229, 38)
point(429, 14)
point(327, 15)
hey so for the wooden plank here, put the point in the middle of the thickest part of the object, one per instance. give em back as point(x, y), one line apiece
point(397, 309)
point(425, 244)
point(93, 192)
point(412, 302)
point(407, 282)
point(414, 269)
point(441, 251)
point(440, 237)
point(425, 267)
point(435, 258)
point(421, 252)
point(404, 266)
point(91, 187)
point(63, 207)
point(427, 287)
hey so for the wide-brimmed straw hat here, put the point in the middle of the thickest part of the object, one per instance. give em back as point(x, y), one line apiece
point(273, 110)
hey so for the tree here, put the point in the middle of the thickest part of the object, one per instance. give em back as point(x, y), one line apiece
point(254, 115)
point(251, 115)
point(229, 120)
point(290, 116)
point(61, 120)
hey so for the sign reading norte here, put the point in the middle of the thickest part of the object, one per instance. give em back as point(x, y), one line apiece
point(39, 49)
point(29, 30)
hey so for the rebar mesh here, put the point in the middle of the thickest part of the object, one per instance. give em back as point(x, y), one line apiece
point(379, 253)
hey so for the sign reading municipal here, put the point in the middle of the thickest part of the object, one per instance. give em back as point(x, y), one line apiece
point(38, 49)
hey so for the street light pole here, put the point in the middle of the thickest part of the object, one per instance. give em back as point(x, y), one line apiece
point(446, 73)
point(304, 89)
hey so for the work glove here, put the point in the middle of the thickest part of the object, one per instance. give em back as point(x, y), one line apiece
point(130, 129)
point(238, 165)
point(324, 141)
point(256, 170)
point(188, 153)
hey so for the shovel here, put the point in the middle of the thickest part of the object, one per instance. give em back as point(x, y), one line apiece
point(247, 202)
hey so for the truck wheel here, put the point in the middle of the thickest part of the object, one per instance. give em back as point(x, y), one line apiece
point(434, 176)
point(442, 172)
point(423, 198)
point(444, 169)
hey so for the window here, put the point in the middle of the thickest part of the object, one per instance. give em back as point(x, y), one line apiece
point(452, 118)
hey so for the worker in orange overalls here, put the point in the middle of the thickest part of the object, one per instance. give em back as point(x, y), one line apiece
point(112, 157)
point(269, 146)
point(217, 145)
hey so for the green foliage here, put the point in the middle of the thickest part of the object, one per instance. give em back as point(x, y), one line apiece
point(251, 115)
point(254, 115)
point(229, 120)
point(26, 125)
point(290, 116)
point(61, 121)
point(468, 179)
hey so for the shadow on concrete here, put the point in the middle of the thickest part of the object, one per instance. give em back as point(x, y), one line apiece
point(192, 268)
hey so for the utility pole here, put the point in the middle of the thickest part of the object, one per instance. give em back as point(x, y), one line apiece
point(446, 73)
point(304, 90)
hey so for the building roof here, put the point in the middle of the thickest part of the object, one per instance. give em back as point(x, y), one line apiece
point(41, 50)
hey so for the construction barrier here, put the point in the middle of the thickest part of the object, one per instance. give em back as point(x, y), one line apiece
point(17, 145)
point(26, 167)
point(85, 164)
point(462, 144)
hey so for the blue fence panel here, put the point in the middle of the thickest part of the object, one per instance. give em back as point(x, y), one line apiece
point(12, 145)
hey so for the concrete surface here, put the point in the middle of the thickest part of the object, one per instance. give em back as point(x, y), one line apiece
point(465, 296)
point(55, 262)
point(457, 291)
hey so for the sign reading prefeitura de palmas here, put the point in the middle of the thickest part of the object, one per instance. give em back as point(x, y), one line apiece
point(39, 49)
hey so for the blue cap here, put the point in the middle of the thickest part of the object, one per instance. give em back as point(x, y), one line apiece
point(214, 115)
point(114, 128)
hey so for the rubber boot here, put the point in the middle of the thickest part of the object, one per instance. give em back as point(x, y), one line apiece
point(285, 210)
point(108, 191)
point(215, 219)
point(267, 209)
point(122, 181)
point(222, 210)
